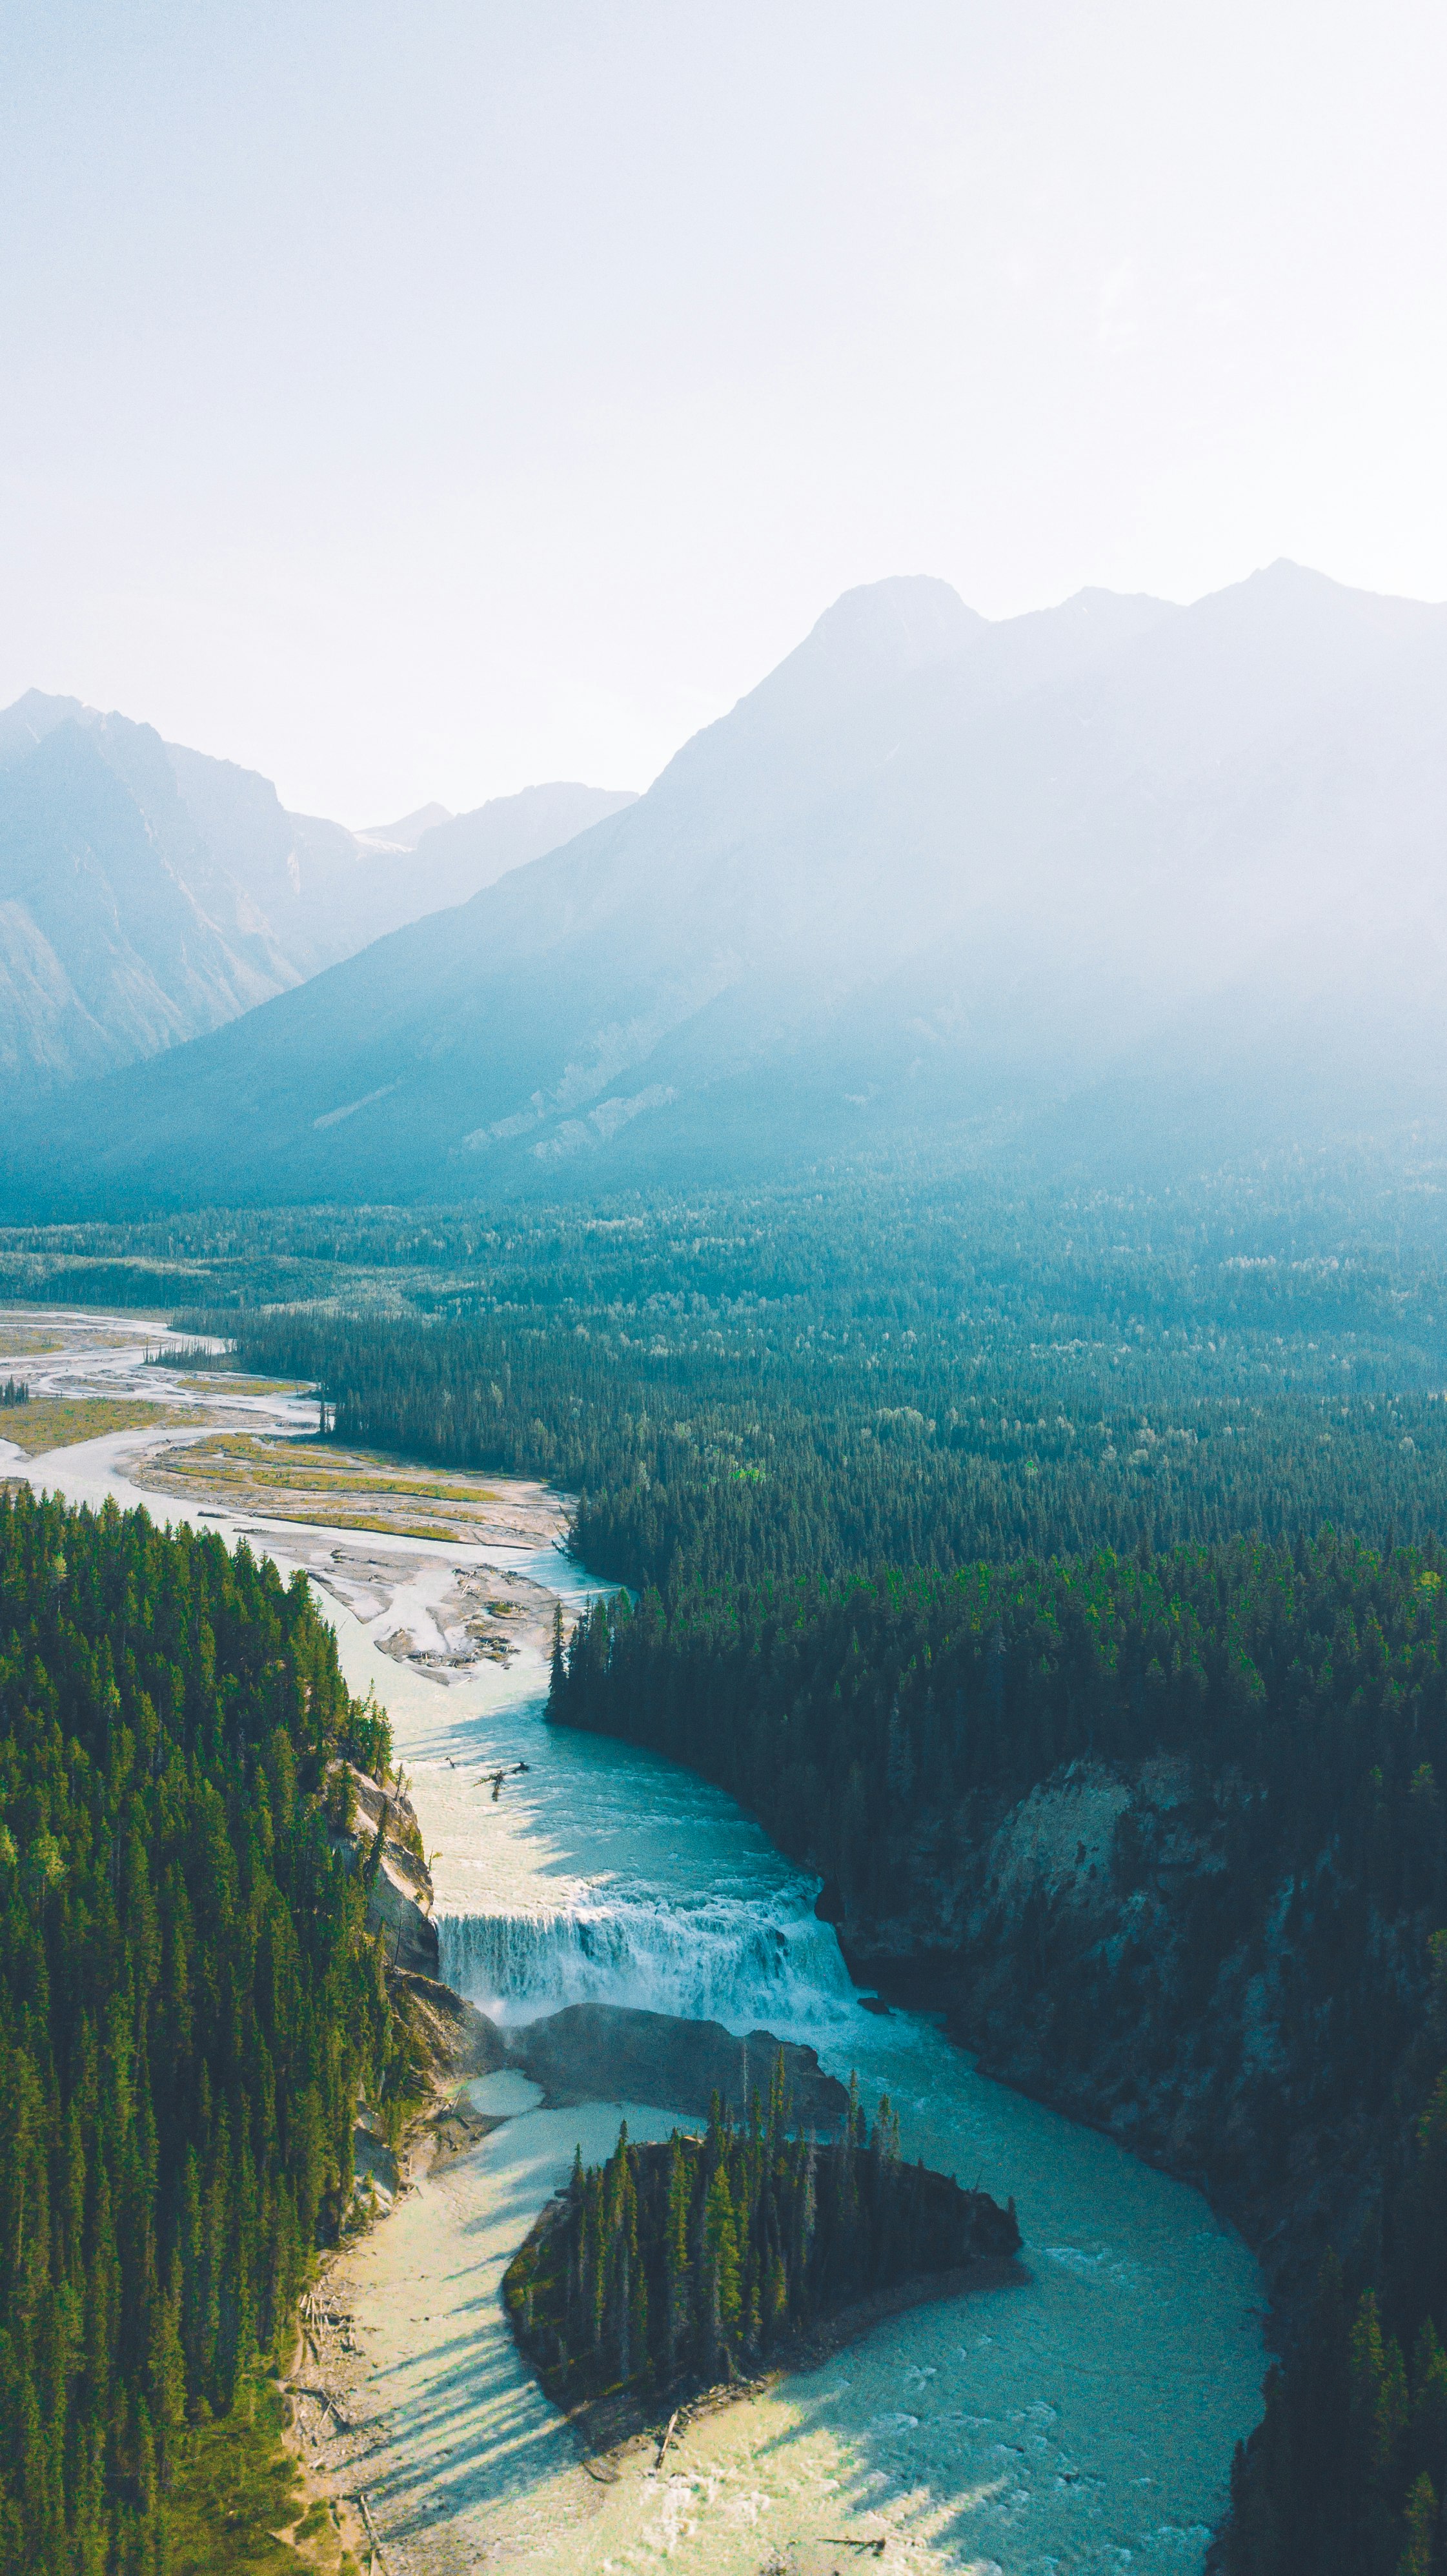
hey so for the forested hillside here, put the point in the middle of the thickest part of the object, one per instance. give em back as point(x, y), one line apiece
point(189, 2009)
point(1062, 1578)
point(1246, 1976)
point(690, 1468)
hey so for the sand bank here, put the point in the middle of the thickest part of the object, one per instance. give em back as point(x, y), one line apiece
point(465, 2465)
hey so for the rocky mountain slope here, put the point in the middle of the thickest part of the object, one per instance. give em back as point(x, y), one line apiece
point(1118, 875)
point(149, 893)
point(1073, 1953)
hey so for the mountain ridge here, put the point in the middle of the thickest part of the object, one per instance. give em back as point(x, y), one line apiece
point(140, 913)
point(935, 878)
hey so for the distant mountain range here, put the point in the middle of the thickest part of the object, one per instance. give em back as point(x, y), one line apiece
point(148, 893)
point(1120, 878)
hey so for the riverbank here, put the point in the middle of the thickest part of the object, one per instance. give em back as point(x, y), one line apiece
point(1087, 2410)
point(611, 2427)
point(465, 2464)
point(1089, 2407)
point(361, 2323)
point(449, 1574)
point(442, 2219)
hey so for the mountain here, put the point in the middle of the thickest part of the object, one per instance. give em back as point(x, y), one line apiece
point(109, 948)
point(329, 891)
point(1117, 878)
point(407, 832)
point(460, 855)
point(149, 893)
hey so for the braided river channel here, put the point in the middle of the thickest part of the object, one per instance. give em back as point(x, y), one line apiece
point(1081, 2418)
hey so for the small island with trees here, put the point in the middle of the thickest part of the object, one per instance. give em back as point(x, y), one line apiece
point(679, 2267)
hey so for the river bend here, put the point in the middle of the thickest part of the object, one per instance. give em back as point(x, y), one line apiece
point(1081, 2421)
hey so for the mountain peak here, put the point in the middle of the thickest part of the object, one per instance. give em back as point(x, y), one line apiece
point(896, 625)
point(30, 720)
point(872, 637)
point(408, 830)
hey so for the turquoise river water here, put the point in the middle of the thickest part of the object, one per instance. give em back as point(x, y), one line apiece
point(1082, 2420)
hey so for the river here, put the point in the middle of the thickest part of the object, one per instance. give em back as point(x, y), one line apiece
point(1082, 2419)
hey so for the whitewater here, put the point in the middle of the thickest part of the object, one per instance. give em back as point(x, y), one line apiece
point(1079, 2421)
point(1083, 2420)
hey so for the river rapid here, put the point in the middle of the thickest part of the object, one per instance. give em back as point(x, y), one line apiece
point(1080, 2419)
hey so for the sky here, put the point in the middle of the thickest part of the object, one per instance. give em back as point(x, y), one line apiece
point(419, 402)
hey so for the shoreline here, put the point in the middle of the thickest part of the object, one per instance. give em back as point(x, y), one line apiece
point(455, 2184)
point(386, 2413)
point(607, 2438)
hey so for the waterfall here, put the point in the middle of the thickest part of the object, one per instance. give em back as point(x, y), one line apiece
point(713, 1961)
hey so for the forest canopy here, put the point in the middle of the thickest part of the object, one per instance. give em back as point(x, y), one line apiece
point(900, 1372)
point(927, 1491)
point(696, 2260)
point(189, 2007)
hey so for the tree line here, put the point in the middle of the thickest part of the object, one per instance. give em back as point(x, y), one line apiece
point(695, 2260)
point(189, 2007)
point(1283, 1242)
point(1348, 2472)
point(881, 1728)
point(804, 1453)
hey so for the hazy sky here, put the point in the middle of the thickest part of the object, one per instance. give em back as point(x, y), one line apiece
point(417, 401)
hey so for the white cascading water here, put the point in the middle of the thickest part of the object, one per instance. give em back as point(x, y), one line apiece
point(1079, 2418)
point(715, 1960)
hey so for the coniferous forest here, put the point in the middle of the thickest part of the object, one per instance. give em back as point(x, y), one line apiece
point(819, 1383)
point(694, 2261)
point(881, 1730)
point(931, 1500)
point(189, 2009)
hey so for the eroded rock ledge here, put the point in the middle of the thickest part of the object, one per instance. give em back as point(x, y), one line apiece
point(399, 1902)
point(609, 2053)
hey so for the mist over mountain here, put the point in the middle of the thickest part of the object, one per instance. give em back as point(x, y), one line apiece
point(149, 893)
point(462, 853)
point(1115, 877)
point(118, 933)
point(407, 831)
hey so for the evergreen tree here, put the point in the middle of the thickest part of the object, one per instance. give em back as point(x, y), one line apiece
point(695, 2259)
point(189, 2006)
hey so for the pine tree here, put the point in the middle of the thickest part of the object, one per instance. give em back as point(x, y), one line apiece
point(1418, 2556)
point(689, 2257)
point(721, 2251)
point(150, 2041)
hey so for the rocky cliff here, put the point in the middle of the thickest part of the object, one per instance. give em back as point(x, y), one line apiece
point(399, 1902)
point(1090, 1945)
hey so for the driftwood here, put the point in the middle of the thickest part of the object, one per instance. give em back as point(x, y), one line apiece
point(378, 2561)
point(316, 2315)
point(323, 2398)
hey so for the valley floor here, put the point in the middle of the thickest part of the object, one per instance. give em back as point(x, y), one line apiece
point(1080, 2419)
